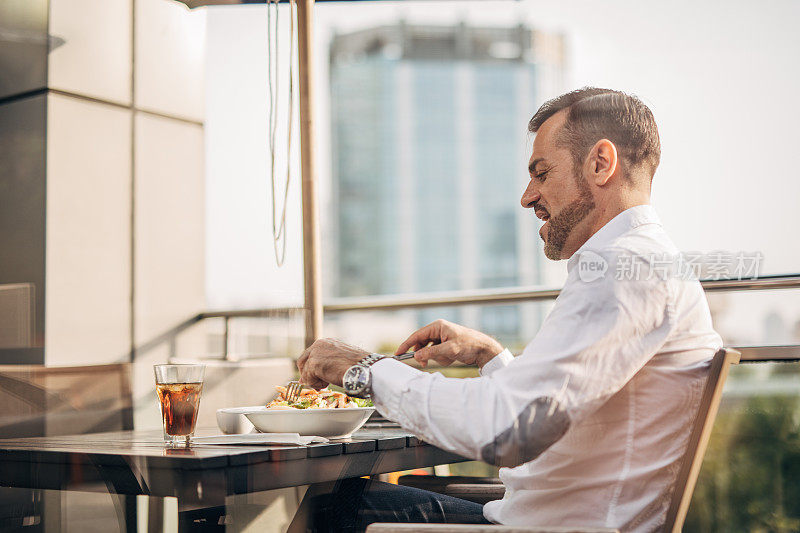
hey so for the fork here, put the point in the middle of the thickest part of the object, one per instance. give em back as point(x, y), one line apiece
point(404, 356)
point(293, 389)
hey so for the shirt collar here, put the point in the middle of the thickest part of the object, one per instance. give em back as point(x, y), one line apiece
point(629, 219)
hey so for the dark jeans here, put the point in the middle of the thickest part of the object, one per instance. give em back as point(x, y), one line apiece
point(350, 505)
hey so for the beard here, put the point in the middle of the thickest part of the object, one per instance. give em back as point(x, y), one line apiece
point(561, 225)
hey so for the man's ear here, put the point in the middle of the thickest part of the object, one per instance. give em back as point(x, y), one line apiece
point(603, 162)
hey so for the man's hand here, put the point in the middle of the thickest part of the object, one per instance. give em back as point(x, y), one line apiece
point(451, 343)
point(326, 361)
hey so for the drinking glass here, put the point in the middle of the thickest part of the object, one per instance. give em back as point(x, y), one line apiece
point(179, 388)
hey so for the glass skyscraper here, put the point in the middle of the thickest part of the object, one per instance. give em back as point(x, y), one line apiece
point(430, 161)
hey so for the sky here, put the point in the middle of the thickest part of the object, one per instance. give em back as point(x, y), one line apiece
point(720, 77)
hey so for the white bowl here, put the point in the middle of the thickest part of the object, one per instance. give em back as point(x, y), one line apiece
point(232, 421)
point(332, 423)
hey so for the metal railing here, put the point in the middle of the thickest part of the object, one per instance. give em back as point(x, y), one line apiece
point(503, 295)
point(479, 297)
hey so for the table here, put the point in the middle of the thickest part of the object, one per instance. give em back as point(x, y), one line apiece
point(136, 462)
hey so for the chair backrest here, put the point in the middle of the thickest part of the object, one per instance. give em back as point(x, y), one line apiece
point(698, 440)
point(37, 400)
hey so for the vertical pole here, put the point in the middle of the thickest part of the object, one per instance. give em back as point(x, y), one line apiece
point(132, 219)
point(311, 248)
point(226, 339)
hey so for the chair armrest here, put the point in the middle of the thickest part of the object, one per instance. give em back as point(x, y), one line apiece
point(479, 528)
point(478, 493)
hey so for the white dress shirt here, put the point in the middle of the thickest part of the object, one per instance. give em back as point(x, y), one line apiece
point(590, 421)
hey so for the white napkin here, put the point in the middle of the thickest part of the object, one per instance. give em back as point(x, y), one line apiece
point(259, 438)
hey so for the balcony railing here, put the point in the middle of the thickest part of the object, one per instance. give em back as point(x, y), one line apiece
point(479, 297)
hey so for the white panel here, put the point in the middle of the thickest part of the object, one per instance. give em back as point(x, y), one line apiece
point(242, 269)
point(170, 58)
point(87, 306)
point(169, 226)
point(95, 57)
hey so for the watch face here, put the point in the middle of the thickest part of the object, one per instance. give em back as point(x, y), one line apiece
point(356, 379)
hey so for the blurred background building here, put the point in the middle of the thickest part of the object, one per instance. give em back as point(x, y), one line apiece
point(425, 180)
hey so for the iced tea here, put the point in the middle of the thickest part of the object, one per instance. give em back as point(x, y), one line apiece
point(179, 406)
point(179, 387)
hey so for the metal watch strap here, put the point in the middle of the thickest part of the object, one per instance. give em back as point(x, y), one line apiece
point(371, 359)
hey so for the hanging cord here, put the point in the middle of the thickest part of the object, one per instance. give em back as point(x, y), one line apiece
point(279, 228)
point(290, 120)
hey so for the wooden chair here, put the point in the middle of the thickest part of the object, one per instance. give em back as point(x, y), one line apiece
point(42, 401)
point(681, 496)
point(38, 401)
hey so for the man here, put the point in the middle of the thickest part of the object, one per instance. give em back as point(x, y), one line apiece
point(589, 422)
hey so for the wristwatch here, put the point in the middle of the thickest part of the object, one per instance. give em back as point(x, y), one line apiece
point(357, 381)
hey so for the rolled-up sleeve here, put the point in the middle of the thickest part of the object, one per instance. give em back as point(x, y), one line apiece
point(598, 335)
point(497, 362)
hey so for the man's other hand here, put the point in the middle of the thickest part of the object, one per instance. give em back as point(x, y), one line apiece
point(450, 343)
point(326, 361)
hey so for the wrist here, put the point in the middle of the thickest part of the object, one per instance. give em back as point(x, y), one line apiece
point(490, 353)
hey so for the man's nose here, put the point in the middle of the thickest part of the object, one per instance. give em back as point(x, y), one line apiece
point(530, 196)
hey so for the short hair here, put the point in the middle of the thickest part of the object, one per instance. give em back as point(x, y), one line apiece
point(594, 114)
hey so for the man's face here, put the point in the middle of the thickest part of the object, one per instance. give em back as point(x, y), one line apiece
point(558, 192)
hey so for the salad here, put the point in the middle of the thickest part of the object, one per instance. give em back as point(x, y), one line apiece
point(317, 399)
